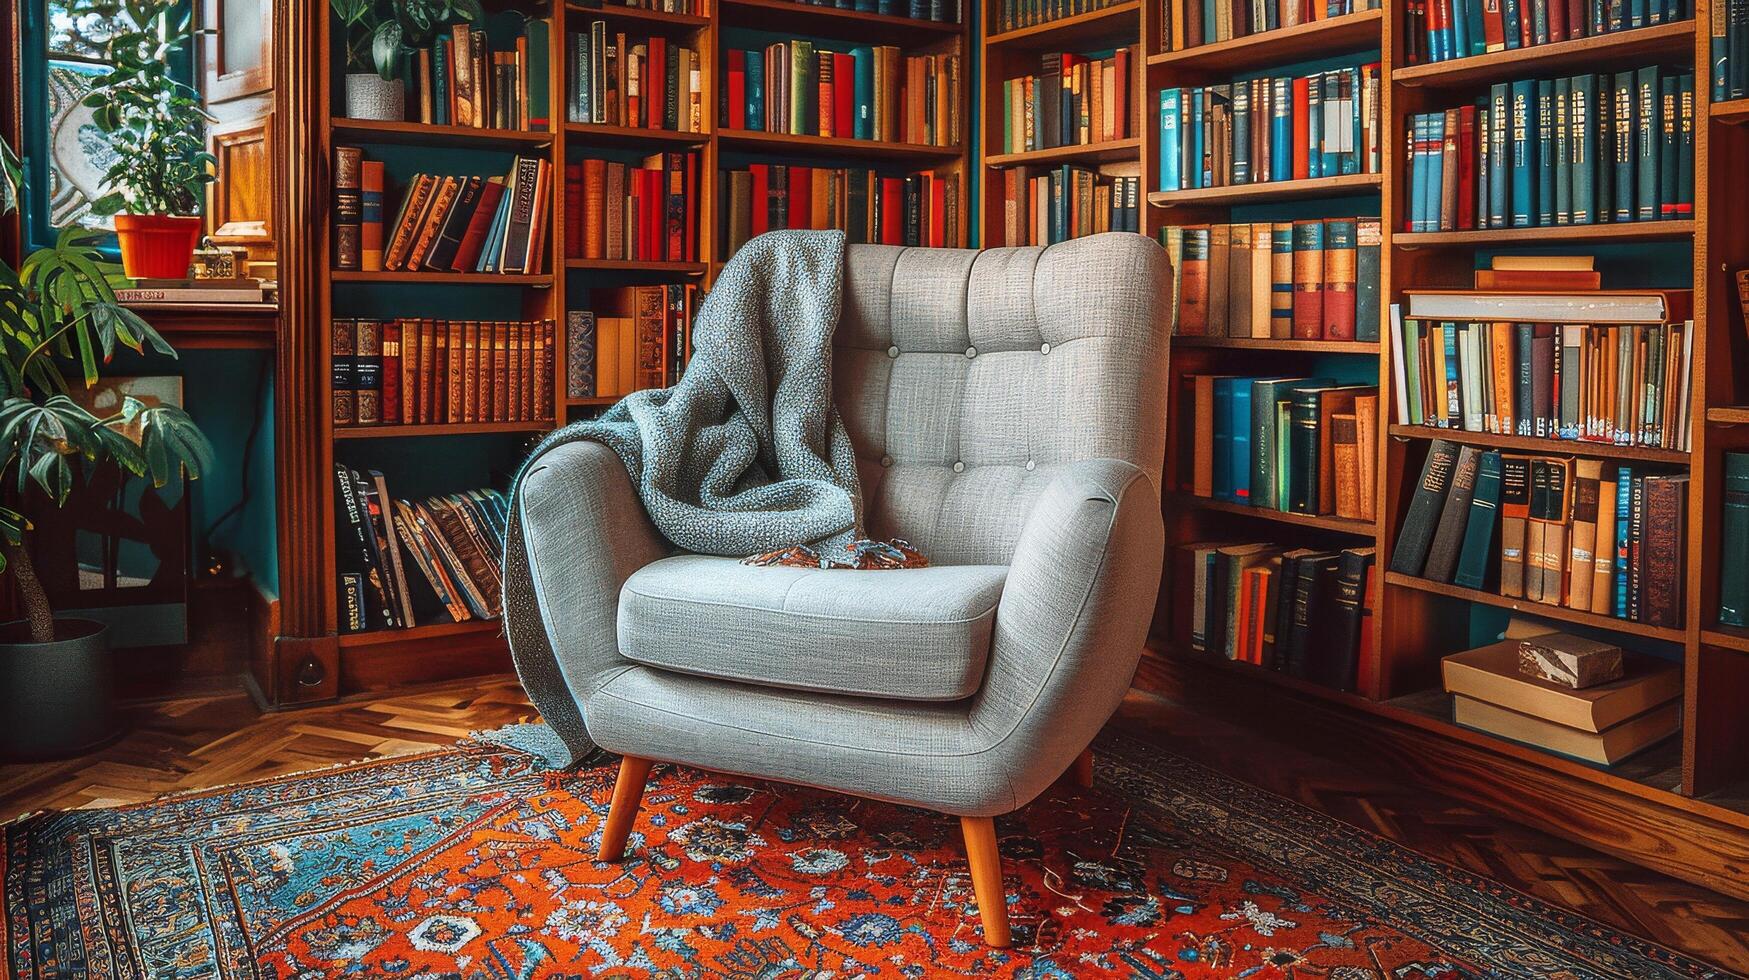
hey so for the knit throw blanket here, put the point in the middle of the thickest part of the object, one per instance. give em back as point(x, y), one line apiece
point(746, 455)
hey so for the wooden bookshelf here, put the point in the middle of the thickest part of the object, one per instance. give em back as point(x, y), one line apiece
point(1270, 191)
point(1546, 447)
point(1368, 347)
point(314, 293)
point(1081, 153)
point(1583, 235)
point(1302, 42)
point(1644, 45)
point(1326, 522)
point(1117, 20)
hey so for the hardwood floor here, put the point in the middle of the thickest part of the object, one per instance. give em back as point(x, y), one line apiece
point(208, 741)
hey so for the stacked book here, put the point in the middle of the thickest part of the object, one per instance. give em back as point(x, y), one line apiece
point(1586, 149)
point(1304, 612)
point(1192, 23)
point(920, 209)
point(447, 223)
point(424, 371)
point(403, 563)
point(1302, 280)
point(647, 83)
point(1013, 14)
point(1067, 202)
point(1602, 723)
point(1441, 30)
point(617, 211)
point(461, 80)
point(1300, 445)
point(1073, 101)
point(1270, 129)
point(867, 93)
point(1730, 52)
point(1552, 529)
point(637, 337)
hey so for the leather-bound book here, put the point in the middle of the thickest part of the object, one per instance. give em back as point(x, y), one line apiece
point(1308, 280)
point(455, 358)
point(1281, 280)
point(1368, 237)
point(473, 240)
point(544, 352)
point(389, 409)
point(1550, 552)
point(516, 334)
point(409, 380)
point(1238, 285)
point(1332, 401)
point(1260, 290)
point(432, 340)
point(1582, 558)
point(1409, 557)
point(1339, 279)
point(1476, 557)
point(1448, 537)
point(1661, 551)
point(1314, 580)
point(1345, 453)
point(348, 207)
point(594, 209)
point(370, 215)
point(501, 372)
point(579, 354)
point(447, 244)
point(430, 223)
point(1219, 255)
point(368, 371)
point(1366, 418)
point(1340, 667)
point(413, 204)
point(342, 358)
point(674, 207)
point(1193, 308)
point(469, 393)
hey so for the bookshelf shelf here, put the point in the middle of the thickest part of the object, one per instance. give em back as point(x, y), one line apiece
point(836, 22)
point(1657, 43)
point(414, 634)
point(1363, 347)
point(1084, 153)
point(412, 133)
point(654, 19)
point(754, 141)
point(1325, 522)
point(593, 401)
point(444, 278)
point(586, 133)
point(1731, 415)
point(633, 265)
point(1282, 190)
point(437, 429)
point(1529, 608)
point(1729, 637)
point(1732, 113)
point(1627, 231)
point(1318, 39)
point(1549, 447)
point(1115, 22)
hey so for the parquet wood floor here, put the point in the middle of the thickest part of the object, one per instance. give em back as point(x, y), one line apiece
point(200, 742)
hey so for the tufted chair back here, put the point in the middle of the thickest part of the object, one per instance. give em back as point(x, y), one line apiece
point(968, 378)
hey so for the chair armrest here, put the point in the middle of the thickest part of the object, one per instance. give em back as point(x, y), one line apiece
point(1073, 619)
point(580, 531)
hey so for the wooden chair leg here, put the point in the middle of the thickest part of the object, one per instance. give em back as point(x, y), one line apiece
point(628, 791)
point(981, 854)
point(1083, 770)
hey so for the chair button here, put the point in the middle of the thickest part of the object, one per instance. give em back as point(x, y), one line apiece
point(892, 352)
point(971, 352)
point(886, 460)
point(1030, 466)
point(959, 467)
point(1044, 348)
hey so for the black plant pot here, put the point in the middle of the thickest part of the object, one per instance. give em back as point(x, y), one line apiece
point(57, 699)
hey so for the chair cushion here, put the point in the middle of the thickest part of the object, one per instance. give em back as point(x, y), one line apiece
point(920, 634)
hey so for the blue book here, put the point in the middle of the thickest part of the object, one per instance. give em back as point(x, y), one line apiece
point(1637, 14)
point(1460, 27)
point(889, 8)
point(1624, 509)
point(1454, 408)
point(1524, 136)
point(1239, 421)
point(1170, 150)
point(440, 82)
point(1444, 46)
point(1418, 172)
point(1351, 163)
point(1315, 126)
point(864, 58)
point(1242, 133)
point(756, 89)
point(1432, 204)
point(1222, 464)
point(1499, 191)
point(1477, 554)
point(488, 261)
point(1199, 97)
point(1545, 152)
point(1208, 20)
point(1512, 16)
point(1281, 130)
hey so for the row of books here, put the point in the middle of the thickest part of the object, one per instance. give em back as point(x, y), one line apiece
point(617, 211)
point(1299, 445)
point(1299, 611)
point(1621, 384)
point(1073, 101)
point(1587, 149)
point(649, 83)
point(1302, 280)
point(447, 223)
point(1270, 129)
point(1067, 202)
point(919, 209)
point(1557, 530)
point(461, 81)
point(404, 563)
point(358, 210)
point(1192, 23)
point(415, 371)
point(943, 11)
point(866, 92)
point(1730, 52)
point(693, 7)
point(1442, 30)
point(1013, 14)
point(637, 337)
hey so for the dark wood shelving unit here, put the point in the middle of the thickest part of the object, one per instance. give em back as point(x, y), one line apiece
point(1533, 608)
point(1081, 153)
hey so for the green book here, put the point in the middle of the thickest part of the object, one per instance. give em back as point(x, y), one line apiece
point(1412, 369)
point(1562, 162)
point(1668, 138)
point(1265, 393)
point(1648, 144)
point(1685, 146)
point(1603, 145)
point(540, 109)
point(802, 88)
point(1545, 152)
point(1625, 154)
point(1582, 147)
point(1476, 556)
point(1734, 542)
point(1303, 476)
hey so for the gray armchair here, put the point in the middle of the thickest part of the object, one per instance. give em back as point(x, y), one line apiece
point(1008, 411)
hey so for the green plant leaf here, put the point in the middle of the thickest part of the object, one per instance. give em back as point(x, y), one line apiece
point(385, 49)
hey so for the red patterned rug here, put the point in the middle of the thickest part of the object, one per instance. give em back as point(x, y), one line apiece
point(477, 862)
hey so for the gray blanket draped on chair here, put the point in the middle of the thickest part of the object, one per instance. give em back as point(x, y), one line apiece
point(746, 454)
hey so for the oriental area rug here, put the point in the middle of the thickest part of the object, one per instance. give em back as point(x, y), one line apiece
point(477, 861)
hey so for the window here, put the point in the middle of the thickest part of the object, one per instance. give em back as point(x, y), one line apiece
point(65, 154)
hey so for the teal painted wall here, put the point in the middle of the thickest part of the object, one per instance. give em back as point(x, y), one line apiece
point(231, 394)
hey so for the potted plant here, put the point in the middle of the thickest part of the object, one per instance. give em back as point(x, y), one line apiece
point(59, 320)
point(158, 129)
point(379, 35)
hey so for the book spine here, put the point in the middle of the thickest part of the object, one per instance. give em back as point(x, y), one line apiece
point(1308, 317)
point(1648, 144)
point(348, 208)
point(1348, 620)
point(1340, 279)
point(1661, 551)
point(1419, 524)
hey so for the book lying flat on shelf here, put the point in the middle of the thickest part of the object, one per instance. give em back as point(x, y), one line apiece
point(1594, 306)
point(1491, 674)
point(1604, 748)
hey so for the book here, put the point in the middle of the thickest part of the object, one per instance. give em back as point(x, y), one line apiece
point(1491, 674)
point(1409, 557)
point(1448, 537)
point(348, 208)
point(1602, 748)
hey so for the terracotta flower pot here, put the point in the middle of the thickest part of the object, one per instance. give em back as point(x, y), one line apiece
point(156, 246)
point(56, 698)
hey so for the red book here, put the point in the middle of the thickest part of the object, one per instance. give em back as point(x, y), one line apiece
point(825, 67)
point(573, 210)
point(1524, 30)
point(594, 209)
point(674, 207)
point(1466, 161)
point(937, 187)
point(1493, 25)
point(843, 95)
point(1575, 19)
point(655, 207)
point(654, 94)
point(1120, 126)
point(474, 238)
point(1308, 322)
point(801, 200)
point(892, 211)
point(390, 408)
point(737, 89)
point(1557, 20)
point(761, 216)
point(634, 246)
point(1302, 130)
point(537, 235)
